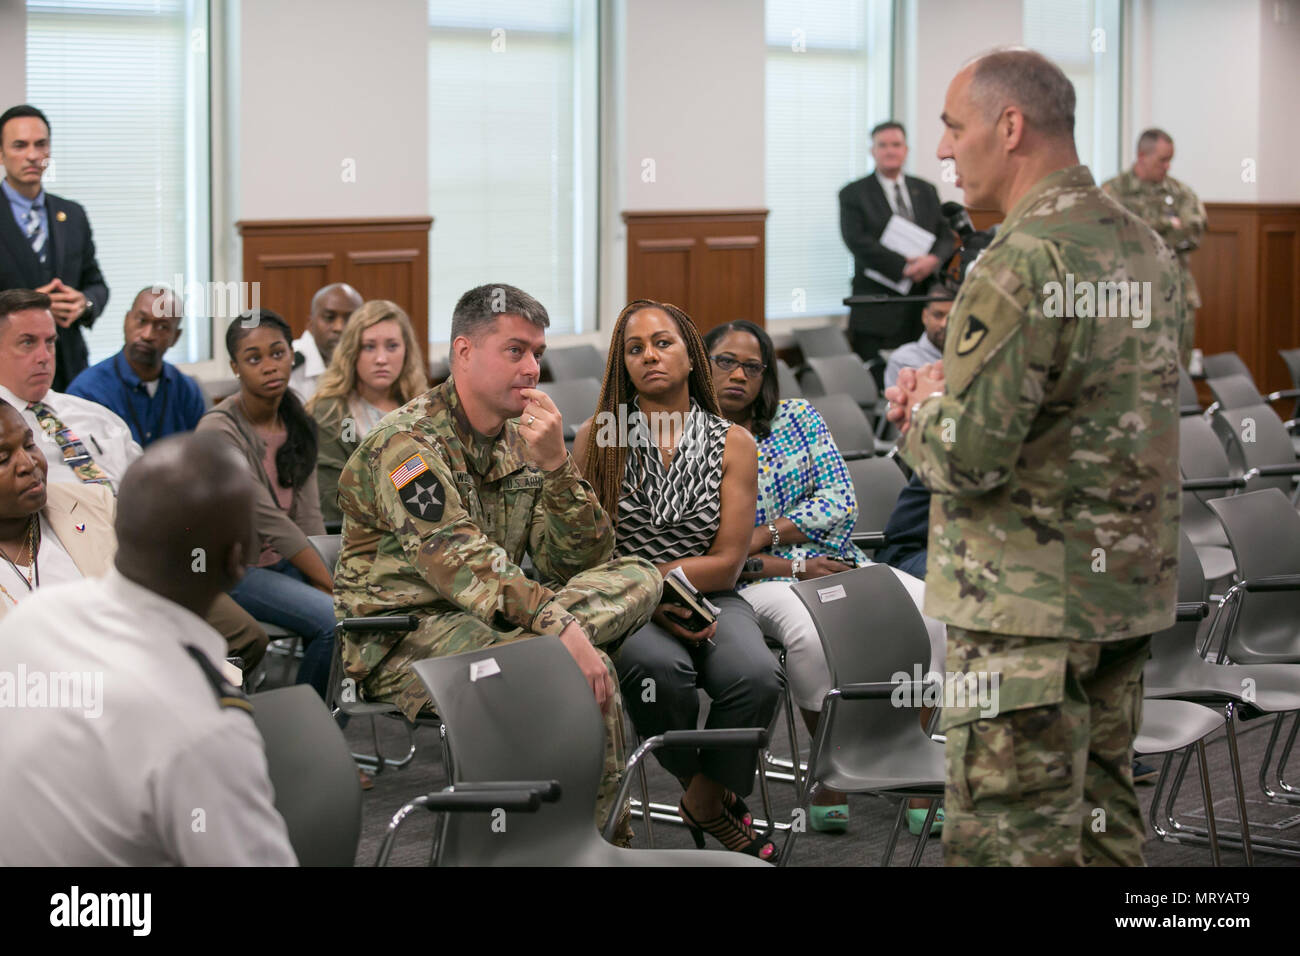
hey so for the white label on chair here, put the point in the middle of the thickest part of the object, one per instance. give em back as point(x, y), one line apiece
point(484, 668)
point(831, 594)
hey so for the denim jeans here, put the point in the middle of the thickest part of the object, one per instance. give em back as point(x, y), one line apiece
point(279, 594)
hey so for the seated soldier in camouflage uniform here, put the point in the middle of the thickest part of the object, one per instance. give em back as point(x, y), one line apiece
point(446, 495)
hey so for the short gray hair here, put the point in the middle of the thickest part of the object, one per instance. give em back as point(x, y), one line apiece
point(1014, 76)
point(1150, 138)
point(479, 308)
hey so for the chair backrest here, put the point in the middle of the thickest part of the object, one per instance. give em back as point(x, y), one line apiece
point(876, 484)
point(871, 633)
point(575, 398)
point(786, 383)
point(1264, 531)
point(1226, 363)
point(1187, 397)
point(575, 361)
point(1254, 436)
point(1178, 642)
point(830, 374)
point(1200, 455)
point(328, 547)
point(1234, 391)
point(1292, 359)
point(533, 719)
point(315, 779)
point(439, 369)
point(848, 423)
point(821, 341)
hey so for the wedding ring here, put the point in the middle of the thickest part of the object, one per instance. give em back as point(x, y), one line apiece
point(531, 419)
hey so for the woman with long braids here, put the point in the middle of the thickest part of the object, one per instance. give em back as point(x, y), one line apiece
point(680, 484)
point(286, 583)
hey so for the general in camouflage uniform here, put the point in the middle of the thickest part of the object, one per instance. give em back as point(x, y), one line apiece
point(1171, 209)
point(436, 520)
point(1052, 452)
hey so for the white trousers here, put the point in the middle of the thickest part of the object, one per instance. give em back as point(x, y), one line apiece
point(781, 615)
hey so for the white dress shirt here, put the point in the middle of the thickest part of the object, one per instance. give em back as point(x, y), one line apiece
point(306, 376)
point(891, 194)
point(150, 770)
point(53, 566)
point(107, 438)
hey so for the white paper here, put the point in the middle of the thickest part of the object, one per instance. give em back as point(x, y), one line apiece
point(680, 575)
point(907, 239)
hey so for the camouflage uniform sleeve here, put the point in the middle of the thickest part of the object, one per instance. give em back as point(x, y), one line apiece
point(570, 532)
point(996, 359)
point(1191, 213)
point(406, 489)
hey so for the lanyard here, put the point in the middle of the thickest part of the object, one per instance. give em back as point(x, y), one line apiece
point(130, 405)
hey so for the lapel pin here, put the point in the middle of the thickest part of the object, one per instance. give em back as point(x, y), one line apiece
point(80, 526)
point(61, 216)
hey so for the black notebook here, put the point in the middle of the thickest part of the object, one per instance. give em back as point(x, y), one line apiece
point(679, 592)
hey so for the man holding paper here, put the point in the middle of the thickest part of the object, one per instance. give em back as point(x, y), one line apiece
point(899, 238)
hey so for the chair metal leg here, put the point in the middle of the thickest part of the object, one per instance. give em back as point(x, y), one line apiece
point(925, 832)
point(1209, 802)
point(645, 802)
point(893, 833)
point(1286, 756)
point(794, 740)
point(1235, 758)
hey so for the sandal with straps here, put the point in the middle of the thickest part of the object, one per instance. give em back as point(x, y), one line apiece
point(730, 832)
point(733, 801)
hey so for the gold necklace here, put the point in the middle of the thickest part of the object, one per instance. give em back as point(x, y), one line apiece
point(30, 546)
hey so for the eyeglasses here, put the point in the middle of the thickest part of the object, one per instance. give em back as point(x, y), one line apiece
point(729, 364)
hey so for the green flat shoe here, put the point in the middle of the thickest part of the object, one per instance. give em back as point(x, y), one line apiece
point(916, 820)
point(830, 819)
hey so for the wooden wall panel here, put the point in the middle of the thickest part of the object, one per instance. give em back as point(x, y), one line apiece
point(381, 258)
point(711, 264)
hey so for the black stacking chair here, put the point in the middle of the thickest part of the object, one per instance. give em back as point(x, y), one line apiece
point(530, 716)
point(576, 399)
point(833, 374)
point(865, 744)
point(821, 341)
point(1258, 447)
point(575, 361)
point(876, 485)
point(315, 780)
point(1224, 363)
point(1189, 403)
point(1206, 475)
point(848, 424)
point(786, 383)
point(1178, 670)
point(1292, 359)
point(1239, 391)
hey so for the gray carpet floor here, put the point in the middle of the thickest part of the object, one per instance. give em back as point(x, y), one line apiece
point(871, 818)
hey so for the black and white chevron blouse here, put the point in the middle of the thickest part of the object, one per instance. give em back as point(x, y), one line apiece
point(666, 514)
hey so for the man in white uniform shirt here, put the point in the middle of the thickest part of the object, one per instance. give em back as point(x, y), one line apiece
point(138, 739)
point(330, 308)
point(82, 440)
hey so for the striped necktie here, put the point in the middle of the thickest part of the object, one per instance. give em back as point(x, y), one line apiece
point(75, 455)
point(36, 234)
point(901, 203)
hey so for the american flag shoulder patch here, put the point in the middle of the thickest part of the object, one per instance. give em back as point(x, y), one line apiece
point(412, 468)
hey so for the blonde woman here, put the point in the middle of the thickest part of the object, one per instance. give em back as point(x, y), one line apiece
point(376, 368)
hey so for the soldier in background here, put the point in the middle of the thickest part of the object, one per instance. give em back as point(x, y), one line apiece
point(442, 501)
point(1171, 209)
point(1053, 535)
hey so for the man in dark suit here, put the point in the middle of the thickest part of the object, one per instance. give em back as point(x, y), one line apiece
point(45, 241)
point(866, 206)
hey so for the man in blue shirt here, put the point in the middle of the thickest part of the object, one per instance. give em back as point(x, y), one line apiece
point(153, 397)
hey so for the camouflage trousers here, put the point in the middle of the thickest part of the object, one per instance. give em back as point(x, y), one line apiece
point(1048, 781)
point(609, 601)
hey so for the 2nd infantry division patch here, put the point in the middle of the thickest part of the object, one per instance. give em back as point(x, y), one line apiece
point(971, 336)
point(421, 493)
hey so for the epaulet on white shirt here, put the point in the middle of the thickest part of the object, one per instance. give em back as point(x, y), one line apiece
point(228, 695)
